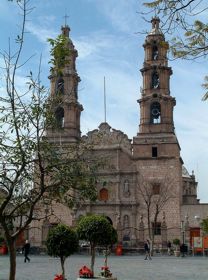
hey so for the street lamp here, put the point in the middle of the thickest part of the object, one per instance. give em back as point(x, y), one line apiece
point(183, 238)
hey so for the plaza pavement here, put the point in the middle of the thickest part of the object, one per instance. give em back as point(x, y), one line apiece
point(122, 267)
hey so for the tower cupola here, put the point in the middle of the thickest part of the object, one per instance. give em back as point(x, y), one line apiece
point(64, 90)
point(156, 136)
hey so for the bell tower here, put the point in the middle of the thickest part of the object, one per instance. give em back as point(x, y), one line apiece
point(156, 150)
point(156, 136)
point(64, 90)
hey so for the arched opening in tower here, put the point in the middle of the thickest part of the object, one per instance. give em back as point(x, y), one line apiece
point(155, 113)
point(60, 86)
point(59, 115)
point(155, 53)
point(155, 80)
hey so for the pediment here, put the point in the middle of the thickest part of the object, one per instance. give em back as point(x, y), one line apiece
point(107, 136)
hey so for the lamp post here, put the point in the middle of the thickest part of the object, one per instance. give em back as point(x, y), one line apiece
point(183, 238)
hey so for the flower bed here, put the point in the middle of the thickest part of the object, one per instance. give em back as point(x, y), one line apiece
point(85, 272)
point(105, 272)
point(59, 277)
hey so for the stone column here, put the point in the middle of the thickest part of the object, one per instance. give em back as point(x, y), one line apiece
point(133, 233)
point(119, 228)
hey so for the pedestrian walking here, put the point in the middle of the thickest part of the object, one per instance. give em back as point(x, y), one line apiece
point(26, 250)
point(169, 245)
point(147, 250)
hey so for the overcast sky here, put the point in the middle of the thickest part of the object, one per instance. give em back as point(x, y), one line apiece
point(108, 37)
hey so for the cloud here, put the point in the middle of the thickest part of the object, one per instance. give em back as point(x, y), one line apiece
point(93, 44)
point(41, 32)
point(121, 95)
point(123, 17)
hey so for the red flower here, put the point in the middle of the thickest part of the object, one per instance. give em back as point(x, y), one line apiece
point(105, 271)
point(59, 277)
point(85, 272)
point(104, 267)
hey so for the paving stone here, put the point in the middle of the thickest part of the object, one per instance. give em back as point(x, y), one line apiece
point(122, 267)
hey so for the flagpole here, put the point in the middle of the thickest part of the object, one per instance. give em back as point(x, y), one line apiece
point(104, 101)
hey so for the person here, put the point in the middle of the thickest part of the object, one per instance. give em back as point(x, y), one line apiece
point(147, 250)
point(169, 248)
point(26, 250)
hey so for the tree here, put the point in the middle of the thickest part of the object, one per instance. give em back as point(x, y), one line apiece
point(97, 230)
point(108, 240)
point(204, 225)
point(33, 172)
point(185, 20)
point(154, 195)
point(62, 242)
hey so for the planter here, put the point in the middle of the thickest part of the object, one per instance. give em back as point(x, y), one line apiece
point(3, 250)
point(108, 278)
point(177, 253)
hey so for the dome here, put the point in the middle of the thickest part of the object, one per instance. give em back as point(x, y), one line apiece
point(155, 27)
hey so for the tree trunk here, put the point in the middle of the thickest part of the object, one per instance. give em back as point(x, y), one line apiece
point(62, 266)
point(106, 260)
point(148, 222)
point(106, 256)
point(12, 258)
point(92, 258)
point(154, 229)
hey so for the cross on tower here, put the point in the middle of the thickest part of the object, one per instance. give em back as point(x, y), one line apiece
point(65, 17)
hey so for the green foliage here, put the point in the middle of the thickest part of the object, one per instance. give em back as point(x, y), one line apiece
point(34, 171)
point(176, 241)
point(60, 53)
point(110, 237)
point(153, 4)
point(182, 18)
point(62, 241)
point(95, 229)
point(204, 225)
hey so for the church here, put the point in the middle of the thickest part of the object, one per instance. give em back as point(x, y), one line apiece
point(145, 190)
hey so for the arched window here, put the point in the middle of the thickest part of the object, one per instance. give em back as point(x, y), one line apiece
point(155, 113)
point(103, 194)
point(109, 219)
point(155, 80)
point(60, 86)
point(155, 53)
point(59, 115)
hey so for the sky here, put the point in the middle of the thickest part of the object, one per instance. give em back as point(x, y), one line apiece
point(108, 35)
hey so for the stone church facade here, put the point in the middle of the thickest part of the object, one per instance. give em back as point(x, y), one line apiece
point(145, 173)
